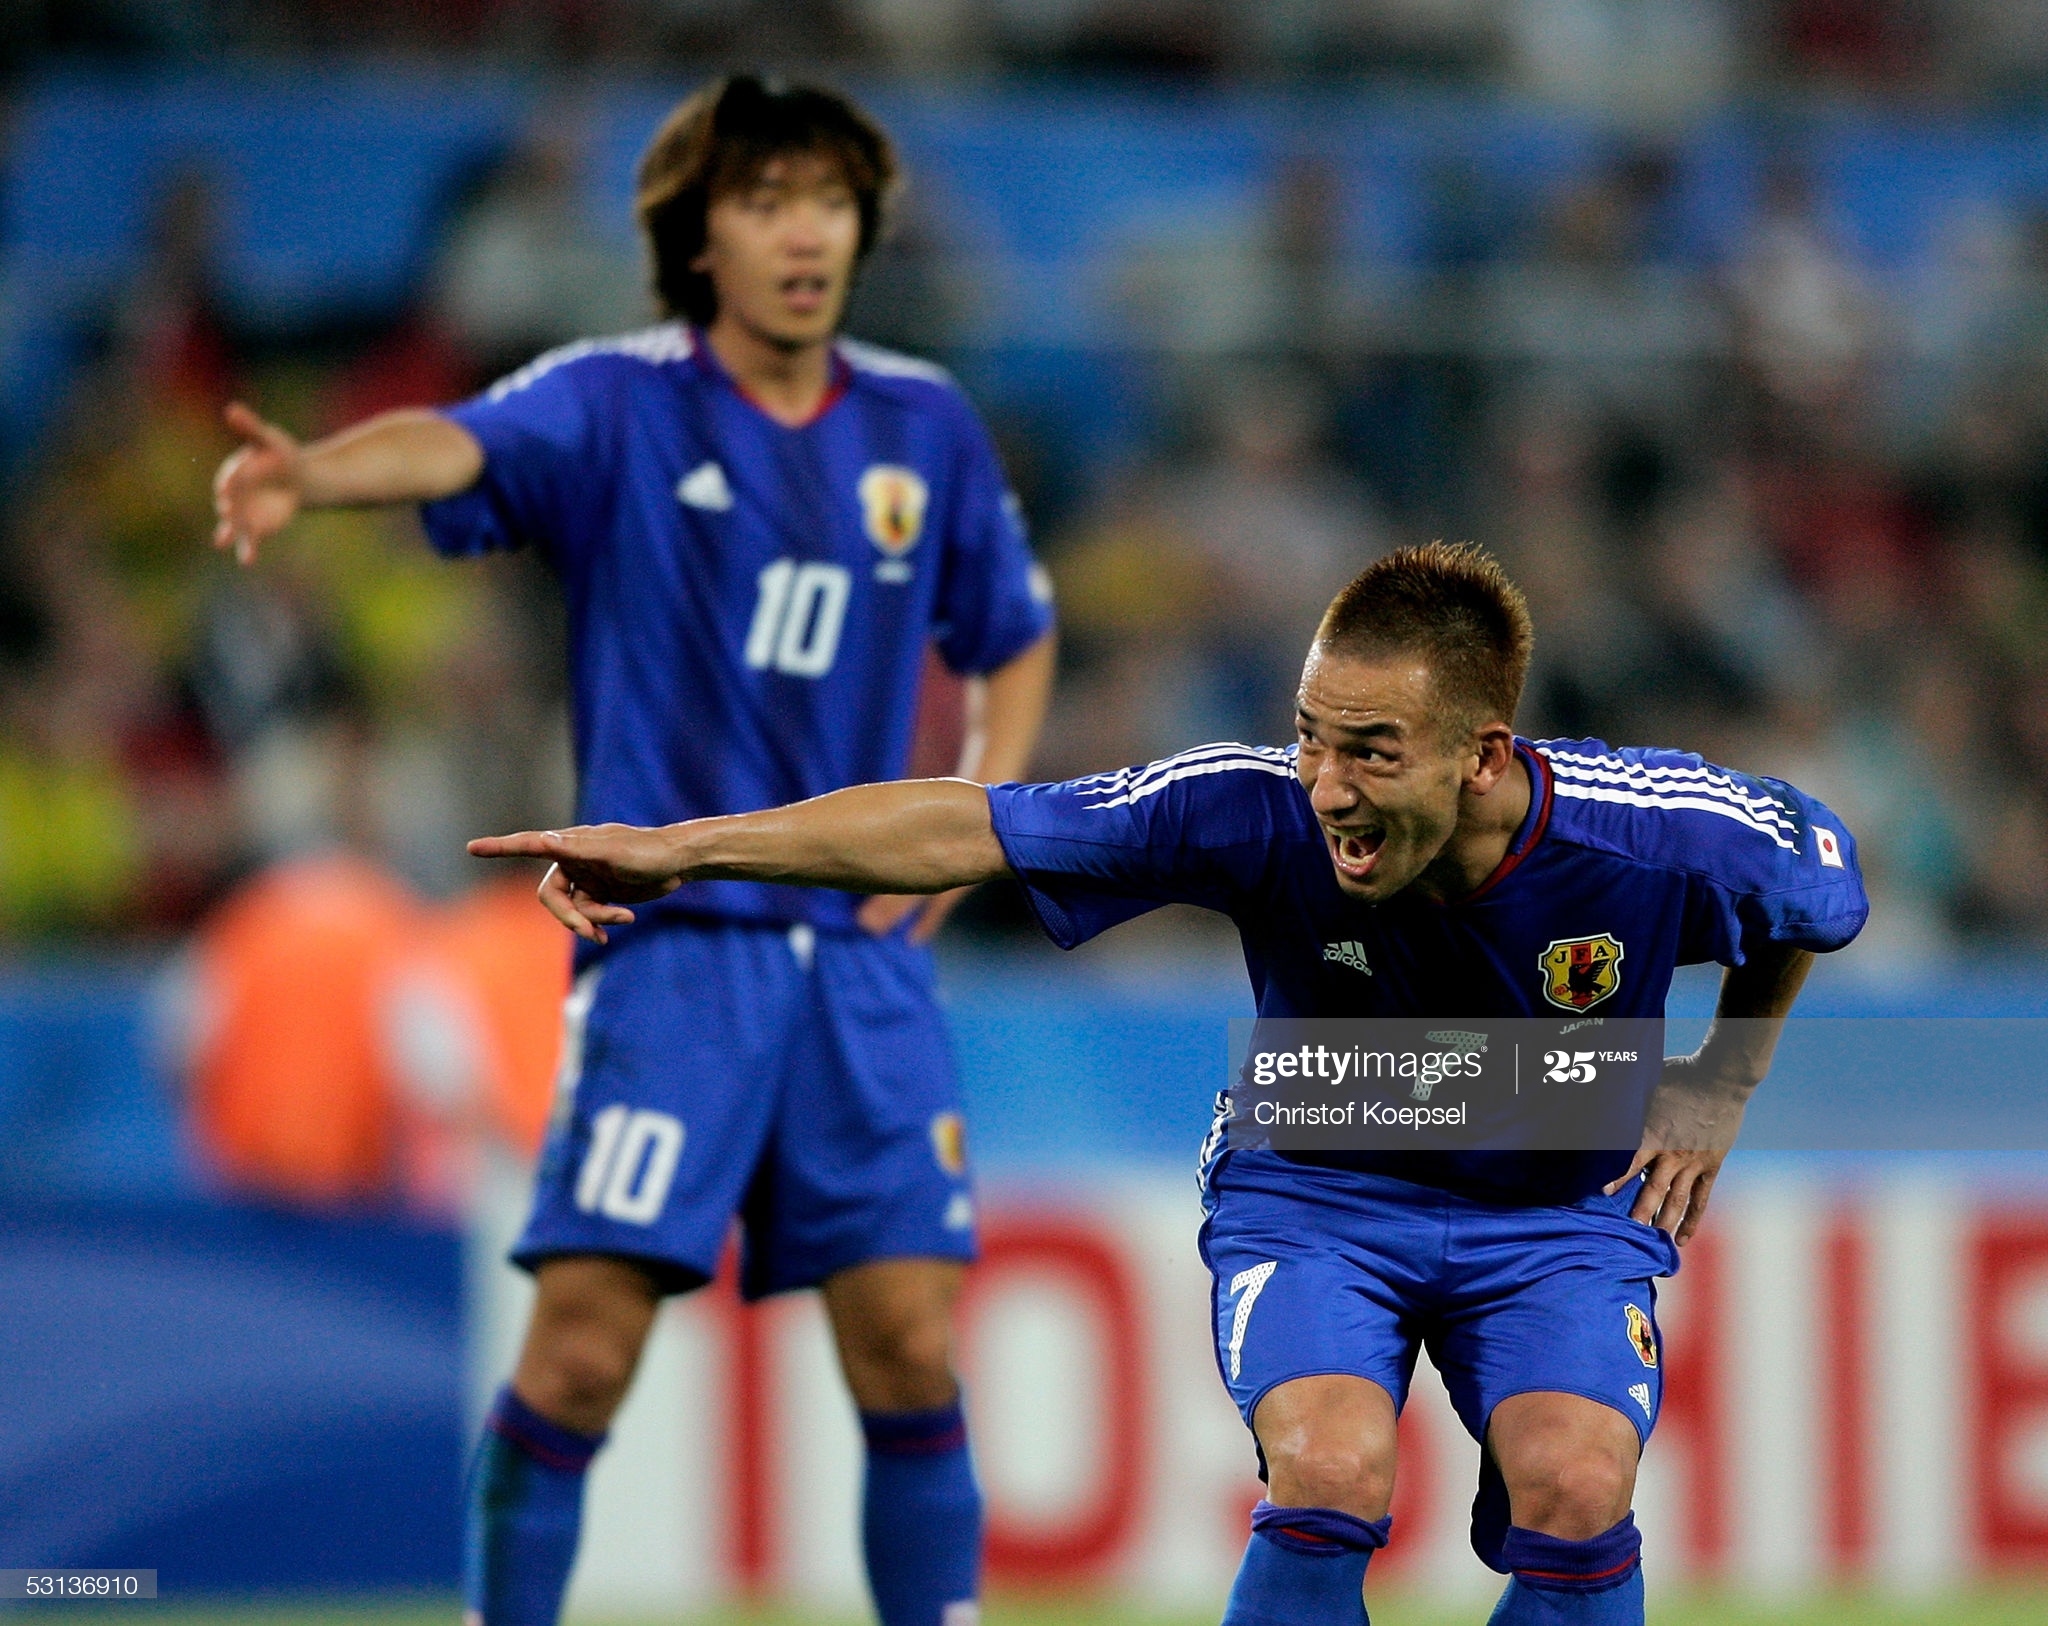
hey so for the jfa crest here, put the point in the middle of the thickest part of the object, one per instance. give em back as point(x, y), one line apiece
point(1579, 972)
point(949, 1143)
point(1642, 1335)
point(892, 502)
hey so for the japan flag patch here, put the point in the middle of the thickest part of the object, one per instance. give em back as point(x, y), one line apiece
point(1829, 846)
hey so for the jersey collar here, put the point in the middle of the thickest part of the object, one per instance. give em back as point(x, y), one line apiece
point(1534, 822)
point(840, 381)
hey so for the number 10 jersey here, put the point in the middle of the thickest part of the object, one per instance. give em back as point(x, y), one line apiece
point(749, 604)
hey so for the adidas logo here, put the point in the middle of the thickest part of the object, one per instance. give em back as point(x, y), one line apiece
point(1349, 954)
point(1640, 1394)
point(705, 487)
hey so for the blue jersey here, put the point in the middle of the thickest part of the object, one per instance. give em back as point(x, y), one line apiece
point(1630, 863)
point(749, 604)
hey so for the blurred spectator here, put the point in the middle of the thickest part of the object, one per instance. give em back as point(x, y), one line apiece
point(1807, 321)
point(1593, 641)
point(1976, 302)
point(524, 268)
point(341, 1044)
point(1269, 275)
point(1732, 633)
point(316, 1074)
point(1134, 597)
point(927, 33)
point(1278, 531)
point(910, 293)
point(507, 960)
point(170, 327)
point(1600, 292)
point(1195, 590)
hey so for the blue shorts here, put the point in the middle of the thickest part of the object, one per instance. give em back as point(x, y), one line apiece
point(801, 1081)
point(1322, 1270)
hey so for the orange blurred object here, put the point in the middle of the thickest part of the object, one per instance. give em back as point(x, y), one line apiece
point(293, 1086)
point(512, 959)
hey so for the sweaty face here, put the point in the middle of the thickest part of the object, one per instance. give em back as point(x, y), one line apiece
point(1383, 779)
point(780, 252)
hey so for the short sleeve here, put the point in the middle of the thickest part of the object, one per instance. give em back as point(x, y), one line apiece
point(995, 601)
point(1798, 887)
point(1205, 827)
point(538, 433)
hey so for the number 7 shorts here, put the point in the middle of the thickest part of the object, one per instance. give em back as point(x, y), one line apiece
point(1319, 1270)
point(801, 1081)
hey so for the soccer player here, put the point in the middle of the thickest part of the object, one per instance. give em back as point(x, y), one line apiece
point(1409, 855)
point(760, 529)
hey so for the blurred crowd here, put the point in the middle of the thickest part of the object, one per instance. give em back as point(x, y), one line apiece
point(1780, 511)
point(168, 721)
point(1777, 508)
point(1670, 52)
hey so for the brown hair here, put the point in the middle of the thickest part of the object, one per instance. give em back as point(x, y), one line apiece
point(1452, 604)
point(718, 142)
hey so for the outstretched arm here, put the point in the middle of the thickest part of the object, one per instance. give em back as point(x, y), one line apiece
point(918, 835)
point(1005, 711)
point(1697, 1110)
point(409, 456)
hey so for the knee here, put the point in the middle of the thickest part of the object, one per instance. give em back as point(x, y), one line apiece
point(579, 1371)
point(901, 1362)
point(1327, 1470)
point(893, 1323)
point(583, 1344)
point(1572, 1490)
point(1329, 1442)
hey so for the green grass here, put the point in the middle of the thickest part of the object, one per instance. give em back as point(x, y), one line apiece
point(2014, 1605)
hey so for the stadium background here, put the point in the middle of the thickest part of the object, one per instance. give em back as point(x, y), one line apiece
point(1725, 324)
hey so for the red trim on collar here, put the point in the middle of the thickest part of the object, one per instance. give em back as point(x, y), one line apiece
point(836, 386)
point(1539, 770)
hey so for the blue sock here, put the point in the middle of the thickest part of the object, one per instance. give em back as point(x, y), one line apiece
point(920, 1520)
point(525, 1513)
point(1304, 1566)
point(1554, 1582)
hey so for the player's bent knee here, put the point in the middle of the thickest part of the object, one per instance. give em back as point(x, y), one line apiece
point(893, 1324)
point(1327, 1473)
point(1569, 1483)
point(905, 1366)
point(1575, 1500)
point(590, 1321)
point(1328, 1442)
point(921, 1349)
point(584, 1370)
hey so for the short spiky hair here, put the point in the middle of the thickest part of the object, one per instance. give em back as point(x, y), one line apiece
point(718, 142)
point(1451, 604)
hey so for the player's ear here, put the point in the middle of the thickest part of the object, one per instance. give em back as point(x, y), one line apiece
point(1495, 745)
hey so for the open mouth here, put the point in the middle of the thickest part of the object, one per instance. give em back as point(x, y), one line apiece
point(1355, 852)
point(804, 292)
